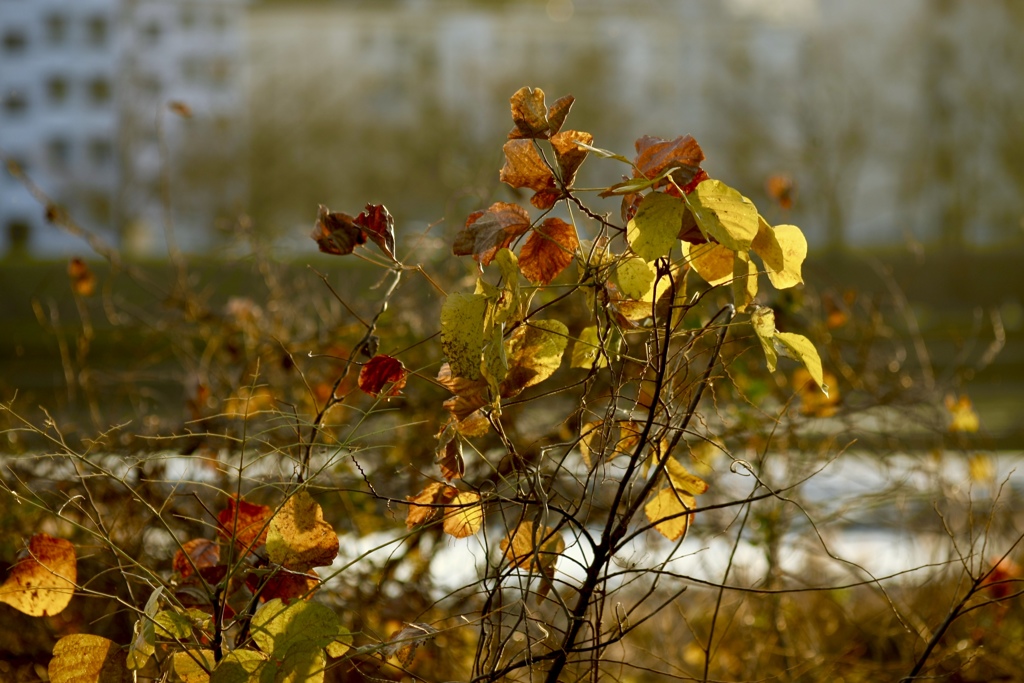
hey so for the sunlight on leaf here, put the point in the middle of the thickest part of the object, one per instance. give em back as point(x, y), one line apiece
point(82, 658)
point(763, 321)
point(744, 281)
point(381, 371)
point(713, 262)
point(569, 155)
point(299, 538)
point(244, 522)
point(724, 214)
point(524, 168)
point(379, 226)
point(792, 250)
point(548, 250)
point(635, 277)
point(535, 352)
point(655, 229)
point(963, 418)
point(586, 350)
point(667, 511)
point(425, 506)
point(242, 666)
point(655, 155)
point(488, 231)
point(42, 583)
point(800, 348)
point(466, 520)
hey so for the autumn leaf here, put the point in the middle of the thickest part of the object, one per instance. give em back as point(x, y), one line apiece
point(299, 538)
point(470, 395)
point(467, 517)
point(83, 282)
point(712, 261)
point(548, 250)
point(812, 400)
point(203, 553)
point(532, 117)
point(587, 351)
point(379, 226)
point(288, 585)
point(654, 230)
point(294, 636)
point(42, 583)
point(800, 348)
point(782, 189)
point(568, 154)
point(782, 250)
point(488, 231)
point(963, 418)
point(381, 371)
point(682, 480)
point(83, 658)
point(244, 522)
point(537, 551)
point(763, 321)
point(449, 452)
point(535, 352)
point(724, 214)
point(667, 511)
point(462, 333)
point(744, 281)
point(635, 277)
point(655, 156)
point(424, 506)
point(336, 233)
point(524, 167)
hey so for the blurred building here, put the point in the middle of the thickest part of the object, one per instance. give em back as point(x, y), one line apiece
point(84, 94)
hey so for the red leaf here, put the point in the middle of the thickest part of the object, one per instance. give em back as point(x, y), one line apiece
point(204, 553)
point(288, 586)
point(249, 530)
point(548, 250)
point(655, 155)
point(380, 227)
point(380, 371)
point(488, 231)
point(336, 233)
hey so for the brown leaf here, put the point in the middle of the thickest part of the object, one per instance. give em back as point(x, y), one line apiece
point(537, 551)
point(470, 394)
point(568, 154)
point(558, 111)
point(530, 114)
point(404, 643)
point(244, 522)
point(83, 282)
point(486, 232)
point(336, 233)
point(548, 250)
point(299, 538)
point(449, 452)
point(425, 506)
point(203, 551)
point(380, 227)
point(466, 518)
point(381, 371)
point(782, 189)
point(42, 584)
point(655, 155)
point(288, 586)
point(524, 167)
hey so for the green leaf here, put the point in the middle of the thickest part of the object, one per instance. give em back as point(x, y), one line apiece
point(243, 666)
point(495, 365)
point(724, 214)
point(655, 229)
point(143, 645)
point(800, 348)
point(763, 321)
point(295, 636)
point(586, 348)
point(635, 277)
point(462, 333)
point(603, 153)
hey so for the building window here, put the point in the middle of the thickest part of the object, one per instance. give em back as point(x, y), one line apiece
point(96, 30)
point(58, 153)
point(15, 41)
point(56, 29)
point(101, 152)
point(15, 103)
point(57, 89)
point(99, 91)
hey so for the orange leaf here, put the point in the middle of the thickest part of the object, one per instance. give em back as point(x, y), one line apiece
point(470, 394)
point(42, 584)
point(548, 250)
point(204, 553)
point(81, 658)
point(782, 189)
point(529, 113)
point(655, 155)
point(336, 233)
point(487, 232)
point(83, 282)
point(449, 452)
point(289, 586)
point(299, 538)
point(524, 167)
point(568, 154)
point(425, 506)
point(244, 522)
point(381, 371)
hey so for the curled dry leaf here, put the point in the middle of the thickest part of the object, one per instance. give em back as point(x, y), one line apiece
point(449, 452)
point(383, 371)
point(299, 538)
point(532, 117)
point(244, 522)
point(568, 155)
point(83, 658)
point(336, 233)
point(426, 506)
point(404, 643)
point(379, 226)
point(42, 583)
point(488, 231)
point(548, 251)
point(524, 167)
point(203, 553)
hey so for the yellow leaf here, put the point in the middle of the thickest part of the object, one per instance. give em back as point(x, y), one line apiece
point(466, 519)
point(42, 584)
point(591, 441)
point(711, 261)
point(192, 666)
point(981, 469)
point(82, 658)
point(299, 538)
point(794, 250)
point(655, 229)
point(744, 282)
point(462, 333)
point(763, 321)
point(724, 214)
point(667, 511)
point(635, 277)
point(800, 348)
point(682, 480)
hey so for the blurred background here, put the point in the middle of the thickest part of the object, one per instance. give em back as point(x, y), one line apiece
point(202, 124)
